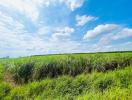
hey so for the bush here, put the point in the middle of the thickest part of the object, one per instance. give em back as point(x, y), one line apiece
point(23, 73)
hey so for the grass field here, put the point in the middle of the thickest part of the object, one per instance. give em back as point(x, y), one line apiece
point(95, 76)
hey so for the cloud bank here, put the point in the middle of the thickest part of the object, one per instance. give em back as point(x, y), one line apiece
point(56, 26)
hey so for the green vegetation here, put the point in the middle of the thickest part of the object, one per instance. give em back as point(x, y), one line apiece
point(98, 76)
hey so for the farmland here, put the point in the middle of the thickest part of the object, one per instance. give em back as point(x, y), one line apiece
point(92, 76)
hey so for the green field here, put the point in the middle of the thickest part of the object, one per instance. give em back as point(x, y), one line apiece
point(93, 76)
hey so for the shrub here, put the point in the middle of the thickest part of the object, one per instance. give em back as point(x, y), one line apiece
point(23, 73)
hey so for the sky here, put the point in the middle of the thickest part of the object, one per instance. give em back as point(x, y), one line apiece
point(38, 27)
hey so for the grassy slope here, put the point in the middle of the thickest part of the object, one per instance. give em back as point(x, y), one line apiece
point(102, 86)
point(28, 69)
point(75, 83)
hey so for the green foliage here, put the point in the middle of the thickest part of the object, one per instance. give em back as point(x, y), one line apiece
point(67, 77)
point(22, 73)
point(83, 87)
point(1, 72)
point(115, 93)
point(29, 69)
point(4, 89)
point(18, 93)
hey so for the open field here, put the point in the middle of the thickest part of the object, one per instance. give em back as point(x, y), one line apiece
point(96, 76)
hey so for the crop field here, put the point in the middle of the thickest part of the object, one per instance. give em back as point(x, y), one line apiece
point(92, 76)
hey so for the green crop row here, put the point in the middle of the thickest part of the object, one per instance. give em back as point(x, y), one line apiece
point(24, 70)
point(113, 85)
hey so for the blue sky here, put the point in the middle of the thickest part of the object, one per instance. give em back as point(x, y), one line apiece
point(35, 27)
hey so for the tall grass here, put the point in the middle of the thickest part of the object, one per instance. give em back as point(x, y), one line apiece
point(82, 87)
point(24, 70)
point(67, 77)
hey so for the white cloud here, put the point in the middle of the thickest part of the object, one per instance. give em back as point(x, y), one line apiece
point(105, 40)
point(23, 38)
point(18, 42)
point(44, 30)
point(73, 4)
point(100, 29)
point(123, 33)
point(114, 32)
point(82, 20)
point(9, 27)
point(25, 7)
point(62, 33)
point(31, 8)
point(13, 37)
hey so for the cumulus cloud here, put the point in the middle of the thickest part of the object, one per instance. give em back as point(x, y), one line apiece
point(100, 29)
point(20, 36)
point(19, 42)
point(115, 35)
point(31, 8)
point(44, 30)
point(16, 38)
point(123, 33)
point(25, 7)
point(7, 30)
point(73, 4)
point(113, 32)
point(82, 20)
point(62, 33)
